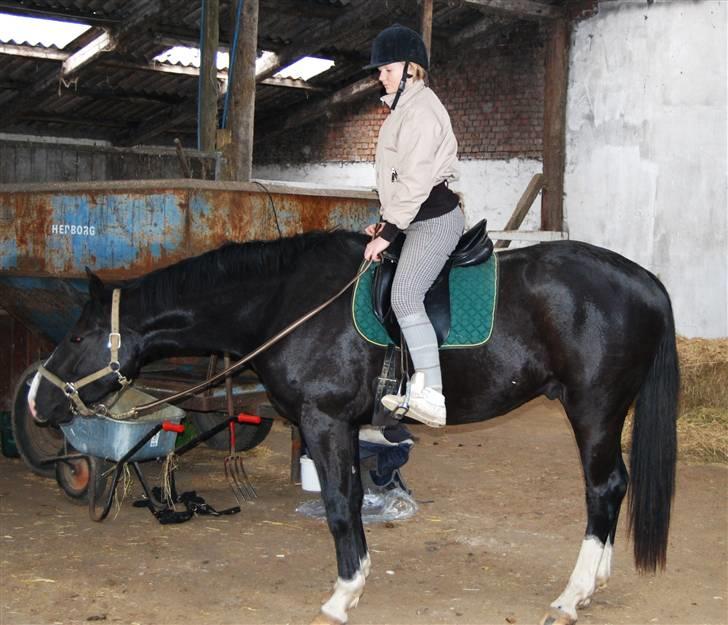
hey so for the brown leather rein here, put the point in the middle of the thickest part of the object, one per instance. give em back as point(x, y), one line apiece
point(70, 389)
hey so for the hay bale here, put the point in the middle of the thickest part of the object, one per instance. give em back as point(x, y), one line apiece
point(704, 373)
point(702, 426)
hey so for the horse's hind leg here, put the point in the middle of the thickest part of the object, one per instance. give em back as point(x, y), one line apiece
point(334, 448)
point(606, 480)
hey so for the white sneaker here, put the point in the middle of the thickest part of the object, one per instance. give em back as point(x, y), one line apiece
point(422, 403)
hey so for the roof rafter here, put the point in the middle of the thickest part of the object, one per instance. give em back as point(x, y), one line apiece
point(524, 9)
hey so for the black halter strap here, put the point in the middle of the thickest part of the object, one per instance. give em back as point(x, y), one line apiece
point(402, 84)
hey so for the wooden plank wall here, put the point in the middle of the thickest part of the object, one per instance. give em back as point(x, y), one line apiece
point(19, 348)
point(26, 161)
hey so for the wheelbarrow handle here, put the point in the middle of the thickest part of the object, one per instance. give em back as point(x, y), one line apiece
point(248, 418)
point(241, 418)
point(168, 426)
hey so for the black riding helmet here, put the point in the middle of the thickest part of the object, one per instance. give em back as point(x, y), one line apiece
point(398, 43)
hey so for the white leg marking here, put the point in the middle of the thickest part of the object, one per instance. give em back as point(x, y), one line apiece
point(347, 592)
point(366, 565)
point(31, 394)
point(604, 571)
point(582, 582)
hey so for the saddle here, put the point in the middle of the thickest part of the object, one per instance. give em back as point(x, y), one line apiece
point(474, 247)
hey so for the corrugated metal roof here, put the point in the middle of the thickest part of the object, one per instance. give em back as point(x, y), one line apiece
point(120, 90)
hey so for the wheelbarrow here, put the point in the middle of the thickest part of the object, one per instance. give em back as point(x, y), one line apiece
point(99, 448)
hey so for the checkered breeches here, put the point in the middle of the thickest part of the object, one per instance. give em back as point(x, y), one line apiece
point(426, 249)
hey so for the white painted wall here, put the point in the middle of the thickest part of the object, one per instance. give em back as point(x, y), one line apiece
point(491, 189)
point(646, 171)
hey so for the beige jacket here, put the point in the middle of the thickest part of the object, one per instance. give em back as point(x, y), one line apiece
point(416, 150)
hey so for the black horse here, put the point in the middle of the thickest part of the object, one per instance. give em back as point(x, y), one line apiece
point(573, 322)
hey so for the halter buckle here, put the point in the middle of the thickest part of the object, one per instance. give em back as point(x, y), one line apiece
point(114, 340)
point(69, 389)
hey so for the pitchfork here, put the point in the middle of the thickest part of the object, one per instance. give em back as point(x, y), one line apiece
point(234, 468)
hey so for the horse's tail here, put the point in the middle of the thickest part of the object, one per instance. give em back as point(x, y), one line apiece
point(654, 453)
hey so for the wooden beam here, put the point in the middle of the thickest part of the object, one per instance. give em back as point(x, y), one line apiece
point(556, 78)
point(104, 43)
point(293, 83)
point(524, 9)
point(303, 9)
point(522, 207)
point(207, 83)
point(154, 66)
point(33, 52)
point(426, 25)
point(76, 17)
point(120, 94)
point(483, 29)
point(241, 115)
point(505, 237)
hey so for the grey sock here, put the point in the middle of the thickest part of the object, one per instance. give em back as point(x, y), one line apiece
point(422, 343)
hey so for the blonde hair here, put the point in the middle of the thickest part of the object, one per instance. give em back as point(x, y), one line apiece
point(418, 72)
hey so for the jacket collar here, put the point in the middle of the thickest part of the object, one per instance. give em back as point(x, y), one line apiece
point(409, 92)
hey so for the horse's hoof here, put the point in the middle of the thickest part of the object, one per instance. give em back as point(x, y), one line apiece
point(557, 617)
point(323, 619)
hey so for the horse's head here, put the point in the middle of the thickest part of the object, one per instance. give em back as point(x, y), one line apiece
point(92, 361)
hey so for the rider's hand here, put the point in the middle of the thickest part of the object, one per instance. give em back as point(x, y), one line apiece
point(373, 229)
point(374, 248)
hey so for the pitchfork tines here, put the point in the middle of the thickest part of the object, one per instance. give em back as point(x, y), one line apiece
point(234, 468)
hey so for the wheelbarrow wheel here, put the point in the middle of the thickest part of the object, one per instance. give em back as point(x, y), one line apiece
point(246, 436)
point(73, 476)
point(34, 441)
point(100, 488)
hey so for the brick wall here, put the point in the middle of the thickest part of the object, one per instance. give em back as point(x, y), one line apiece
point(494, 96)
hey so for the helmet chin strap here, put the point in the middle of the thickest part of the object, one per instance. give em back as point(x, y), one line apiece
point(402, 83)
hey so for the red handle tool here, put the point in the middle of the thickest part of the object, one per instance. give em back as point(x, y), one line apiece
point(168, 426)
point(248, 418)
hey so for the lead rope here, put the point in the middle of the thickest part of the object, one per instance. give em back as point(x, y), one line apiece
point(135, 412)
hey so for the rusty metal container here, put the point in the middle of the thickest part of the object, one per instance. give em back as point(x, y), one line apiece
point(49, 233)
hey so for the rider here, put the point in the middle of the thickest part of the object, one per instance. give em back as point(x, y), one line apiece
point(416, 156)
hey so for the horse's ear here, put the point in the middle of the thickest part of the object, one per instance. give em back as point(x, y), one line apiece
point(95, 286)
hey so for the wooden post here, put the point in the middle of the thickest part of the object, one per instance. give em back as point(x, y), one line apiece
point(241, 114)
point(426, 24)
point(556, 79)
point(207, 88)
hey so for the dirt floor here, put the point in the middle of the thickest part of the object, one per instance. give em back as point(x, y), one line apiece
point(499, 526)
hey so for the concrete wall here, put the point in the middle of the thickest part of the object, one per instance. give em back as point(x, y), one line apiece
point(646, 171)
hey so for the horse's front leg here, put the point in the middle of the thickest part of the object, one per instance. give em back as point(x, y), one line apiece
point(334, 447)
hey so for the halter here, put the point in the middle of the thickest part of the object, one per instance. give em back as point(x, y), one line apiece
point(70, 389)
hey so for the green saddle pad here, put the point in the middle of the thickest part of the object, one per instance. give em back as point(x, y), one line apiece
point(473, 293)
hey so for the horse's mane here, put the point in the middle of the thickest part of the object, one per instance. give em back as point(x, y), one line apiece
point(232, 262)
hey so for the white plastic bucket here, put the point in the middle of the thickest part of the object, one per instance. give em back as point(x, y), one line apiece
point(309, 476)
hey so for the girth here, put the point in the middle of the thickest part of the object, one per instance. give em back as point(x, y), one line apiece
point(474, 247)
